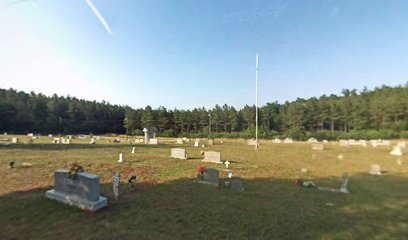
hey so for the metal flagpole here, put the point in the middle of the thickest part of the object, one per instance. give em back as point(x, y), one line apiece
point(256, 103)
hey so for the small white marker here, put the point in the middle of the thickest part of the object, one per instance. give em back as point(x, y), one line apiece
point(227, 163)
point(120, 157)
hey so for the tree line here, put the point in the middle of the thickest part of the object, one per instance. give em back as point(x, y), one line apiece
point(378, 113)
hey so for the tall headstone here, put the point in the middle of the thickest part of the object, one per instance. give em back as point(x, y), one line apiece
point(196, 144)
point(178, 153)
point(82, 191)
point(120, 157)
point(213, 157)
point(150, 133)
point(133, 150)
point(116, 185)
point(14, 140)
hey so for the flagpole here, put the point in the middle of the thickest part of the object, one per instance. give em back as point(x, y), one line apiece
point(256, 102)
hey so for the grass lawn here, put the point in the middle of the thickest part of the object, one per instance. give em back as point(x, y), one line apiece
point(171, 205)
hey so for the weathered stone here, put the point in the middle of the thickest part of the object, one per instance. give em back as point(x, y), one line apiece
point(178, 153)
point(82, 191)
point(214, 157)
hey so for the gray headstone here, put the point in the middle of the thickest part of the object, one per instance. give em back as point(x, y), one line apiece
point(82, 192)
point(116, 184)
point(214, 157)
point(235, 183)
point(210, 176)
point(178, 153)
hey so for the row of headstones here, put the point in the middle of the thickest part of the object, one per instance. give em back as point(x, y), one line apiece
point(209, 156)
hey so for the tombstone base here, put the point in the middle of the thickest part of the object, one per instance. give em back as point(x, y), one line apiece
point(211, 161)
point(78, 202)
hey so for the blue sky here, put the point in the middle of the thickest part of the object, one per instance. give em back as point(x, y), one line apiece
point(186, 54)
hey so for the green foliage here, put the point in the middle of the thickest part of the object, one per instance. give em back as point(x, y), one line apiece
point(167, 133)
point(380, 113)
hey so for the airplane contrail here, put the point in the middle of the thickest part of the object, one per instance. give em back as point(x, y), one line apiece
point(99, 16)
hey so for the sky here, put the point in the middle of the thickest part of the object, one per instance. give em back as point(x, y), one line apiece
point(185, 54)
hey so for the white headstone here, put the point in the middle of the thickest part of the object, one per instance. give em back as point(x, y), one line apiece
point(153, 141)
point(196, 144)
point(288, 140)
point(214, 157)
point(318, 147)
point(344, 143)
point(179, 141)
point(178, 153)
point(92, 141)
point(120, 157)
point(312, 140)
point(133, 150)
point(14, 140)
point(396, 151)
point(277, 140)
point(375, 169)
point(227, 163)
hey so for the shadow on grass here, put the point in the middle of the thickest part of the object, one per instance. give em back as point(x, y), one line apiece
point(183, 209)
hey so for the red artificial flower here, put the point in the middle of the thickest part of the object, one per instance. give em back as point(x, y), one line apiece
point(201, 170)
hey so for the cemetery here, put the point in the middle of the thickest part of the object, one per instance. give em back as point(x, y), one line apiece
point(122, 186)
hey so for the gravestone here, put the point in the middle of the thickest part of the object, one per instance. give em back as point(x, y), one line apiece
point(196, 144)
point(375, 169)
point(325, 141)
point(82, 191)
point(150, 133)
point(312, 140)
point(184, 139)
point(210, 176)
point(396, 151)
point(235, 183)
point(14, 140)
point(277, 140)
point(116, 185)
point(178, 153)
point(120, 157)
point(251, 142)
point(179, 141)
point(133, 150)
point(288, 140)
point(210, 142)
point(213, 157)
point(30, 135)
point(93, 141)
point(227, 163)
point(153, 141)
point(318, 147)
point(344, 143)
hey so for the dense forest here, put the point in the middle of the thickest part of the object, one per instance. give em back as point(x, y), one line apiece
point(378, 113)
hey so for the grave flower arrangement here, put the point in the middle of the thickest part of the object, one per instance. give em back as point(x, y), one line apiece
point(74, 170)
point(201, 170)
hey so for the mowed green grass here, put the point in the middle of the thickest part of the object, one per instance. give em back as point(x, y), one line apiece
point(171, 205)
